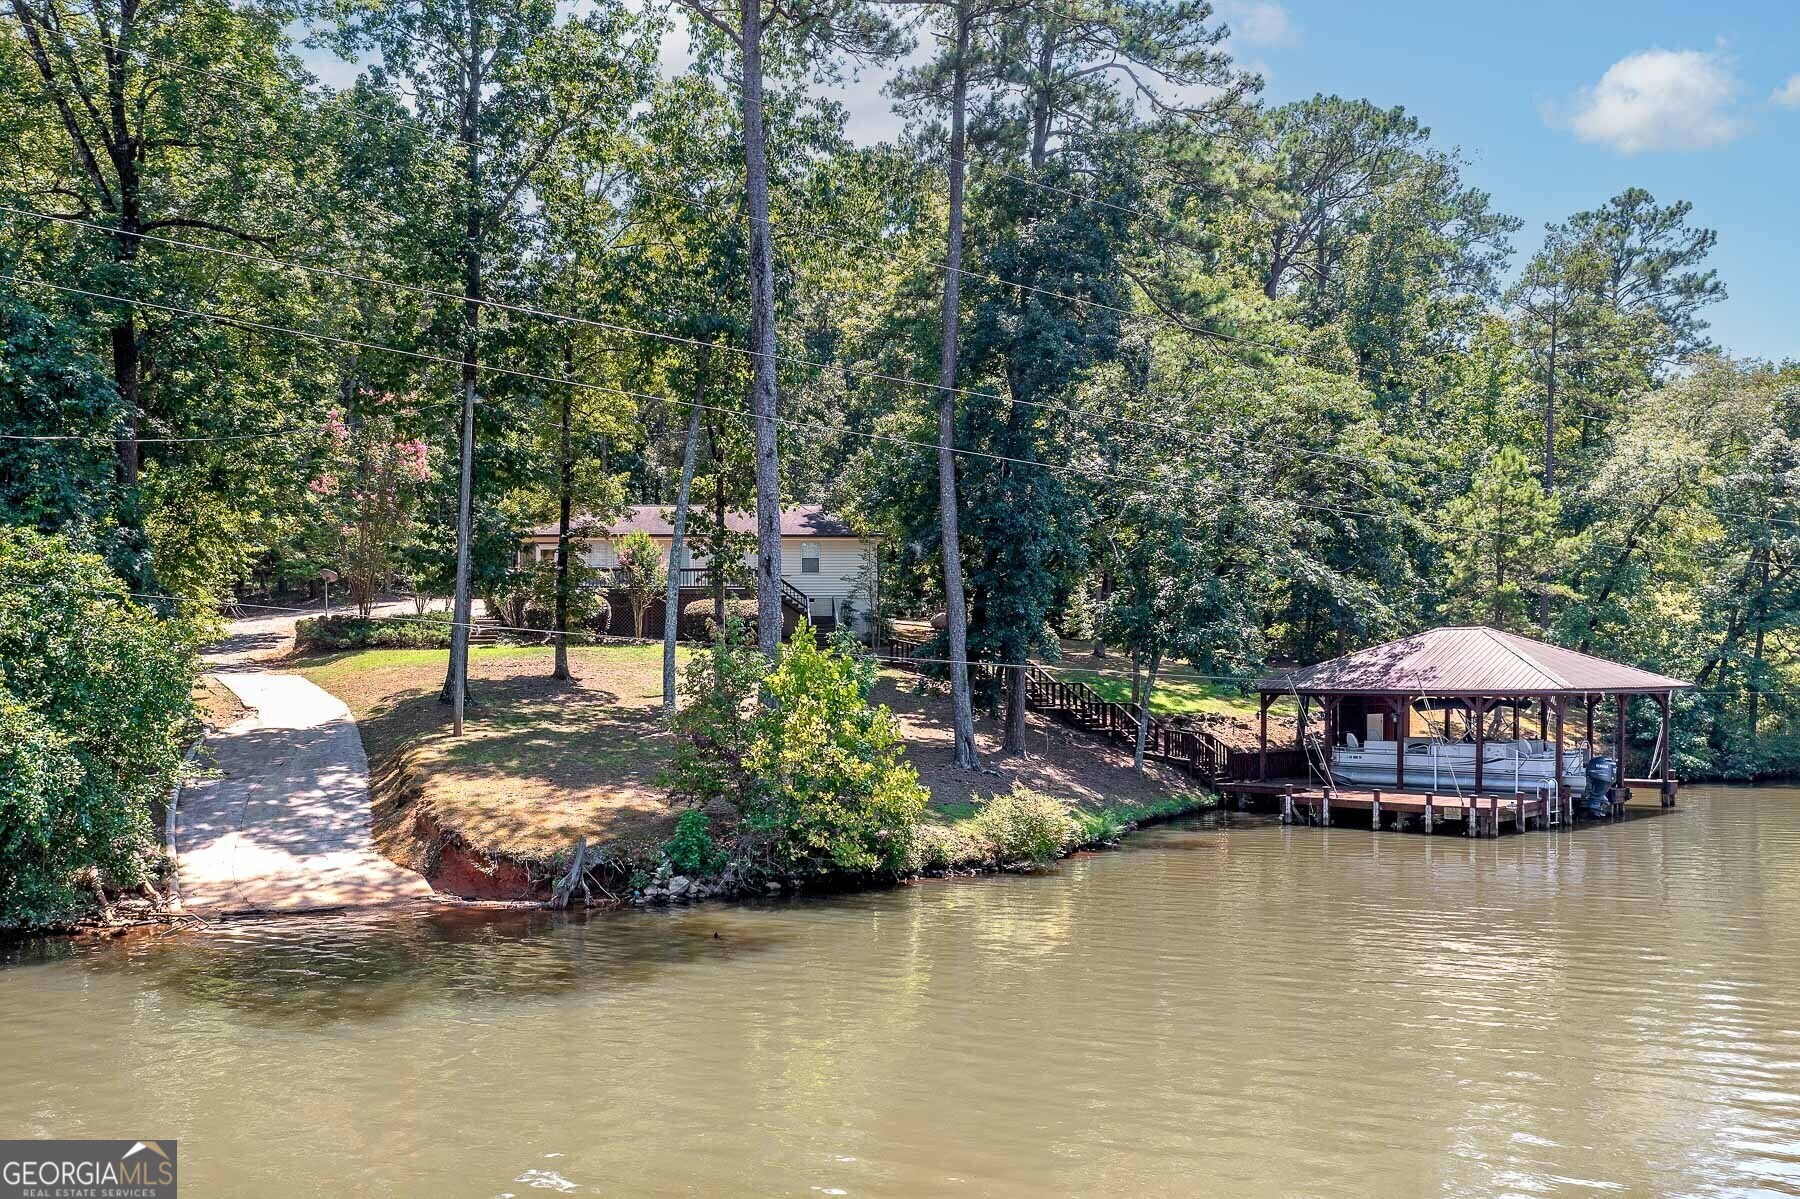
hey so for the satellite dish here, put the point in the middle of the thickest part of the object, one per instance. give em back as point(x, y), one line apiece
point(329, 575)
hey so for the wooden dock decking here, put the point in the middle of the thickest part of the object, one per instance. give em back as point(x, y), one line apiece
point(1299, 797)
point(1304, 801)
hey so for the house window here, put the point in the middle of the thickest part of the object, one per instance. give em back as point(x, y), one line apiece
point(809, 558)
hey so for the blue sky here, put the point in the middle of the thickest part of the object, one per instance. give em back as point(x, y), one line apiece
point(1559, 106)
point(1556, 107)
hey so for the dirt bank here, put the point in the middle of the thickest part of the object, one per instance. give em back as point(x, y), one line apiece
point(545, 762)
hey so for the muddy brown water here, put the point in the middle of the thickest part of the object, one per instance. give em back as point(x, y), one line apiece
point(1243, 1010)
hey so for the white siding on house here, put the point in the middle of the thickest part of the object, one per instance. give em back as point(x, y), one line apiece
point(842, 586)
point(846, 574)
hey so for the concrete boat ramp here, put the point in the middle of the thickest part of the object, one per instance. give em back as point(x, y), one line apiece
point(284, 825)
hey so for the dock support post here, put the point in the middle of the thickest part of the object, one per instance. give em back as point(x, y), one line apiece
point(1562, 704)
point(1428, 821)
point(1262, 736)
point(1287, 805)
point(1402, 719)
point(1621, 735)
point(1375, 810)
point(1662, 750)
point(1481, 713)
point(1325, 807)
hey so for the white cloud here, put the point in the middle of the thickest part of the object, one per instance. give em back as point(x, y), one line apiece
point(1258, 22)
point(1660, 100)
point(1788, 94)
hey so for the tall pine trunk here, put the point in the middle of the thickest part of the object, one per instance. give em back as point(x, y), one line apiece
point(1549, 458)
point(456, 682)
point(762, 337)
point(565, 503)
point(1143, 710)
point(1014, 740)
point(956, 617)
point(678, 541)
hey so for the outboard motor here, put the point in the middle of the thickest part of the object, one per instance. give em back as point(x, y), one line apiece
point(1602, 773)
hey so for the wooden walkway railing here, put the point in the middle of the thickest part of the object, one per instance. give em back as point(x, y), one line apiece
point(1202, 754)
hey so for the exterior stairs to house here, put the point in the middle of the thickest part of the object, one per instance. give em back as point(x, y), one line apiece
point(1200, 753)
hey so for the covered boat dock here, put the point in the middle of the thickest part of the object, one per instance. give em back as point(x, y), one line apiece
point(1415, 734)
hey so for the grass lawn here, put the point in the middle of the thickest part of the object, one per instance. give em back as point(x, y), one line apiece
point(1178, 693)
point(541, 763)
point(545, 762)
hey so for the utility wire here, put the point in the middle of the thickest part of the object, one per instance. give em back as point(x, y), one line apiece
point(606, 639)
point(1084, 414)
point(1323, 361)
point(1161, 484)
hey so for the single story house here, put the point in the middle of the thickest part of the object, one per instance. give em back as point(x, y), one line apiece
point(827, 569)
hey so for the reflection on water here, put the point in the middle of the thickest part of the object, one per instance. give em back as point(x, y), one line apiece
point(1253, 1010)
point(316, 971)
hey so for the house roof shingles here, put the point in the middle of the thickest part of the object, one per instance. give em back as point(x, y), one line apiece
point(799, 520)
point(1468, 660)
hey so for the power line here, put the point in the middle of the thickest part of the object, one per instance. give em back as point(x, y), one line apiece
point(607, 639)
point(1162, 484)
point(1323, 361)
point(532, 311)
point(1330, 364)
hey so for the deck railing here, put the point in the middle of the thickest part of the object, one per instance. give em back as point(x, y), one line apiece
point(1199, 752)
point(696, 577)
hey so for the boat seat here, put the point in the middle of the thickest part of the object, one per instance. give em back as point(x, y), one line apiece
point(1350, 741)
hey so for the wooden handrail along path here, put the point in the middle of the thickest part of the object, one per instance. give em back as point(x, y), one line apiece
point(1202, 754)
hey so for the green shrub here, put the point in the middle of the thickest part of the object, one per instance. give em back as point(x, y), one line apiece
point(1025, 826)
point(692, 849)
point(816, 772)
point(830, 788)
point(95, 706)
point(941, 847)
point(1105, 825)
point(698, 615)
point(332, 634)
point(714, 725)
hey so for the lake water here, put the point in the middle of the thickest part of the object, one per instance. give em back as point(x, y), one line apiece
point(1243, 1010)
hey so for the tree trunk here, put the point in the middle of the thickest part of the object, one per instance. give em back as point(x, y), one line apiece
point(1549, 457)
point(1040, 103)
point(678, 541)
point(956, 613)
point(762, 336)
point(1100, 598)
point(1143, 713)
point(122, 149)
point(565, 502)
point(456, 682)
point(717, 568)
point(1756, 652)
point(1014, 742)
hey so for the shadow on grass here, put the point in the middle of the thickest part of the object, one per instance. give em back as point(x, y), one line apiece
point(541, 762)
